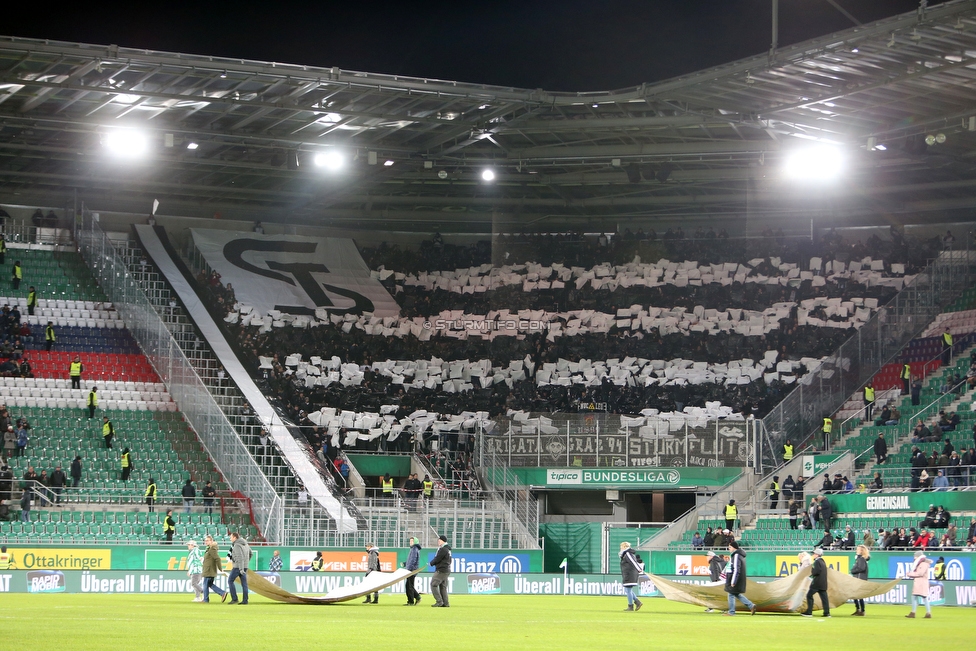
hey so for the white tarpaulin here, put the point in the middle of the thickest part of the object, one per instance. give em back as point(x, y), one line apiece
point(294, 274)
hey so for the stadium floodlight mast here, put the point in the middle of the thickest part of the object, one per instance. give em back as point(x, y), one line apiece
point(126, 142)
point(331, 160)
point(816, 164)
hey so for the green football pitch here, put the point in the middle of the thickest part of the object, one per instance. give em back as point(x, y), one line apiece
point(169, 622)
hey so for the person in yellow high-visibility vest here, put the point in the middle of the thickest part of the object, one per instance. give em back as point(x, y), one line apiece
point(92, 402)
point(31, 300)
point(151, 495)
point(18, 275)
point(828, 425)
point(3, 249)
point(868, 401)
point(49, 336)
point(387, 483)
point(428, 488)
point(731, 513)
point(169, 526)
point(906, 378)
point(6, 559)
point(946, 347)
point(108, 432)
point(74, 372)
point(787, 451)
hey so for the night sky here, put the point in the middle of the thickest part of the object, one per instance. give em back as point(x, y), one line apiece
point(568, 45)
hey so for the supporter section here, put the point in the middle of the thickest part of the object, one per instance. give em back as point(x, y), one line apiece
point(99, 367)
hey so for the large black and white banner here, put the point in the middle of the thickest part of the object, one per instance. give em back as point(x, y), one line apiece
point(294, 274)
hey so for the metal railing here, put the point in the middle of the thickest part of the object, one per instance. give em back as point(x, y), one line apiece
point(393, 518)
point(202, 412)
point(523, 507)
point(904, 317)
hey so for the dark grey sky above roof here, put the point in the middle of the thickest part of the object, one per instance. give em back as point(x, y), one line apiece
point(566, 45)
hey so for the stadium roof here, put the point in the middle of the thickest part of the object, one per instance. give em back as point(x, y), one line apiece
point(707, 145)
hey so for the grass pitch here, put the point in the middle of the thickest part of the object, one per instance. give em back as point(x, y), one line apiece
point(148, 623)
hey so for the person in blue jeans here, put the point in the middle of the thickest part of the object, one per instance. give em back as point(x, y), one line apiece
point(735, 580)
point(240, 556)
point(211, 567)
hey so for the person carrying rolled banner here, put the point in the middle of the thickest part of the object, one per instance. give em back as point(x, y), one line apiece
point(630, 571)
point(372, 565)
point(194, 569)
point(919, 573)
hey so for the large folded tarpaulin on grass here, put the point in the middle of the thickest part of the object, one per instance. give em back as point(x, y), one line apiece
point(372, 582)
point(780, 596)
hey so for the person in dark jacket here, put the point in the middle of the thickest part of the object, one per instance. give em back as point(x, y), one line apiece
point(372, 565)
point(76, 472)
point(630, 571)
point(881, 449)
point(735, 580)
point(211, 568)
point(442, 572)
point(818, 584)
point(826, 513)
point(794, 511)
point(715, 566)
point(413, 563)
point(860, 571)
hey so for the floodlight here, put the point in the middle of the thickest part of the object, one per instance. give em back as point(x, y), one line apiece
point(881, 147)
point(192, 145)
point(126, 143)
point(330, 160)
point(822, 163)
point(488, 175)
point(940, 138)
point(388, 163)
point(930, 140)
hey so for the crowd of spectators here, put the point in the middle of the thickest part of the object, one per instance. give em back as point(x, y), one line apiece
point(790, 340)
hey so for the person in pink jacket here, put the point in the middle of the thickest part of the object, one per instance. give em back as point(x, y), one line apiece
point(920, 585)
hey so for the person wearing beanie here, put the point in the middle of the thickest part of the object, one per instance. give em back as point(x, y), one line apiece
point(920, 584)
point(442, 572)
point(860, 571)
point(630, 571)
point(735, 580)
point(818, 584)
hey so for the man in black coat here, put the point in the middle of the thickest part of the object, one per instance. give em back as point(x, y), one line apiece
point(818, 584)
point(735, 580)
point(881, 448)
point(442, 573)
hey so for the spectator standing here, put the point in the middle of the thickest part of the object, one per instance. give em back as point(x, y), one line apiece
point(169, 526)
point(22, 440)
point(818, 584)
point(630, 571)
point(794, 511)
point(916, 391)
point(788, 487)
point(825, 429)
point(92, 402)
point(189, 495)
point(735, 580)
point(74, 372)
point(442, 573)
point(75, 471)
point(50, 337)
point(919, 572)
point(211, 567)
point(31, 300)
point(10, 442)
point(208, 497)
point(194, 569)
point(151, 495)
point(126, 464)
point(372, 565)
point(58, 482)
point(108, 432)
point(412, 564)
point(17, 275)
point(240, 555)
point(906, 381)
point(881, 448)
point(946, 346)
point(274, 565)
point(826, 512)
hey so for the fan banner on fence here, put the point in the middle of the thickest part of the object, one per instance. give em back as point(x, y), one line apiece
point(294, 274)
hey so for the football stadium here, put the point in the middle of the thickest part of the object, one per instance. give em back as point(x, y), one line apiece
point(591, 369)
